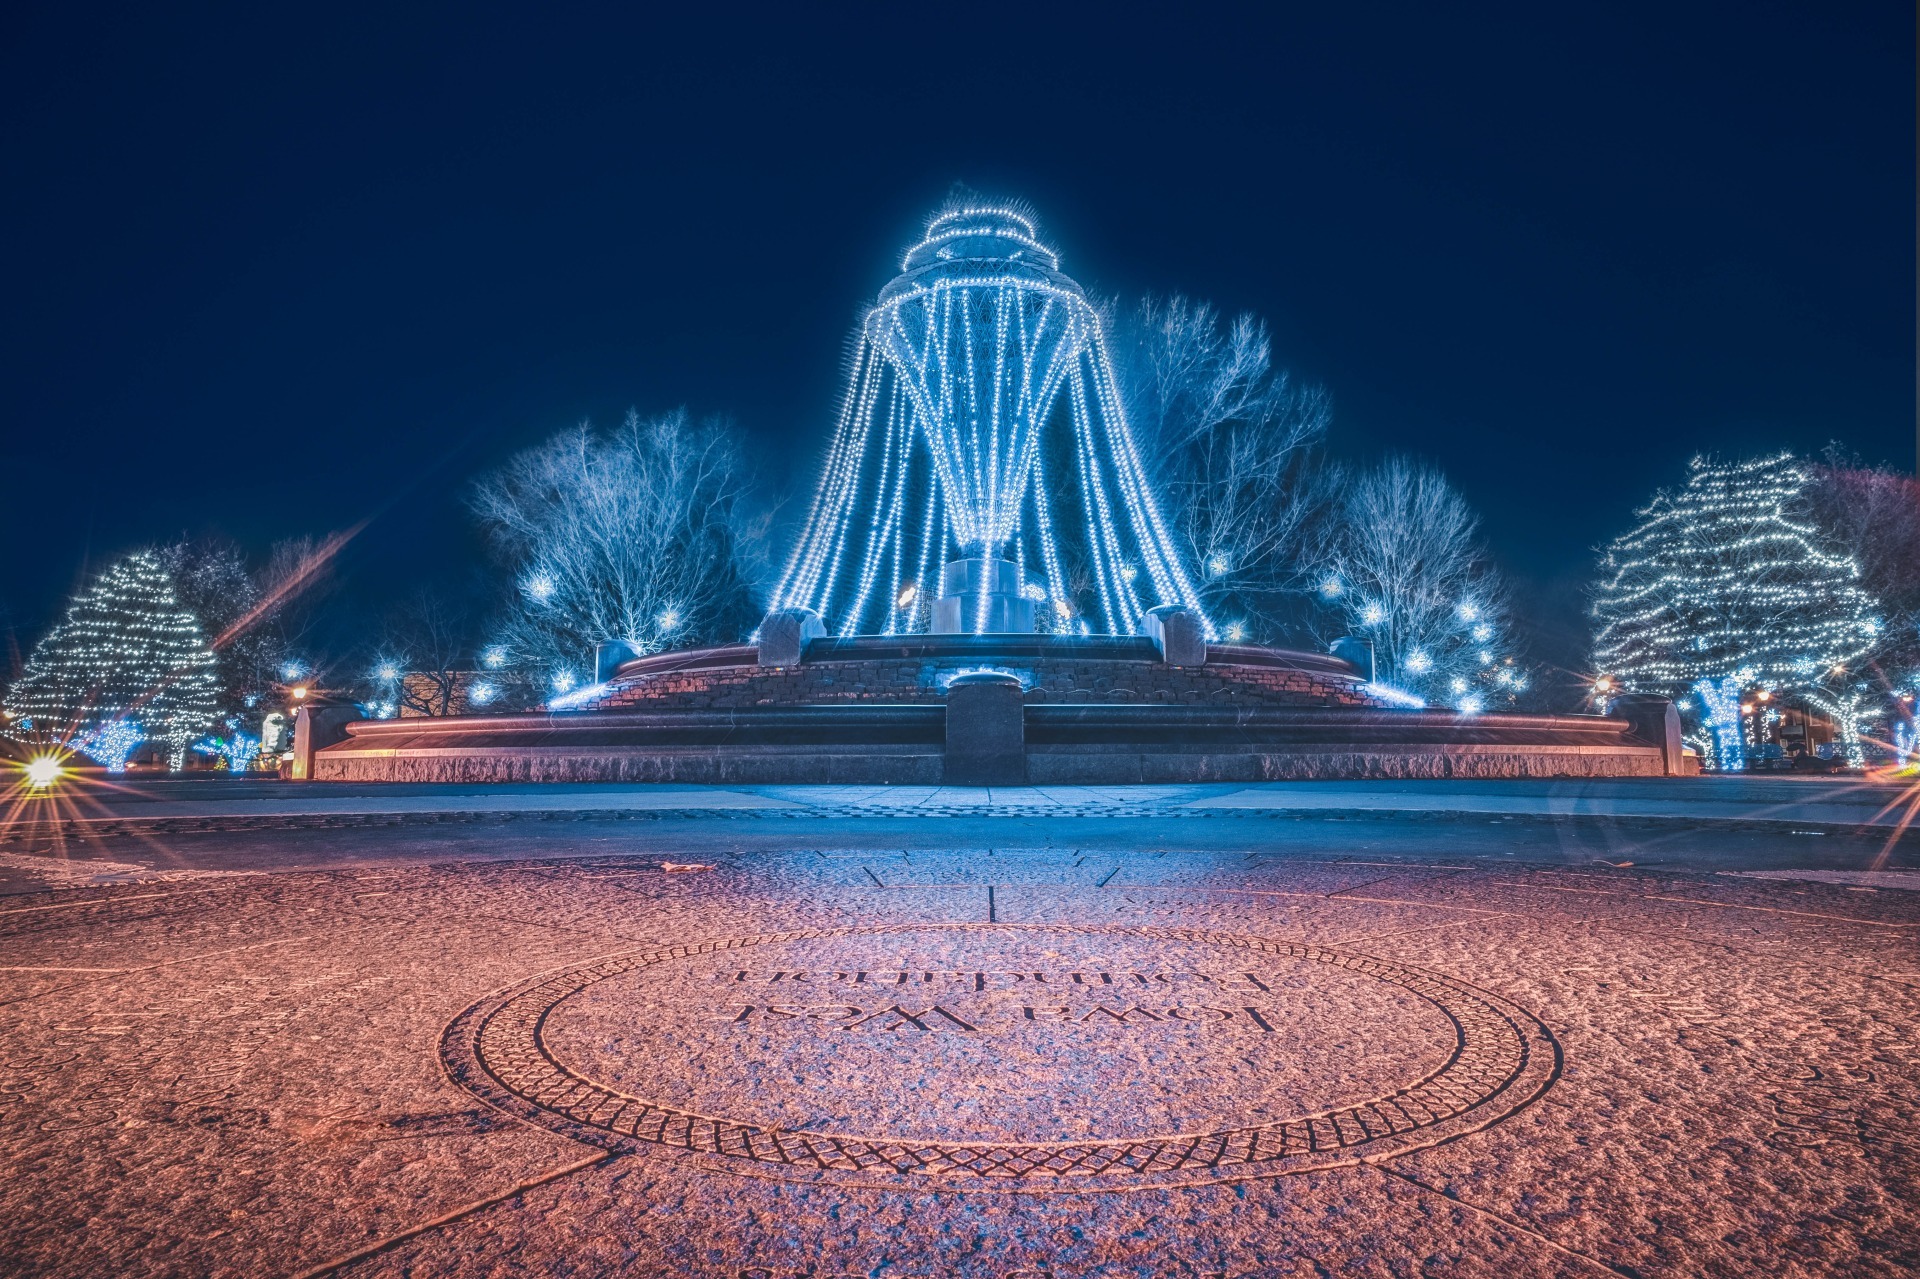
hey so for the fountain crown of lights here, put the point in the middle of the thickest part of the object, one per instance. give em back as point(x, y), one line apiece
point(980, 329)
point(960, 239)
point(978, 369)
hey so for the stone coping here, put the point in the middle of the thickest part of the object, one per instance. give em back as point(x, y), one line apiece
point(1083, 724)
point(911, 744)
point(859, 721)
point(880, 670)
point(1136, 648)
point(1047, 725)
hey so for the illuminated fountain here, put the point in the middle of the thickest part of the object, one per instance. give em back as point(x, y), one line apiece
point(982, 459)
point(984, 592)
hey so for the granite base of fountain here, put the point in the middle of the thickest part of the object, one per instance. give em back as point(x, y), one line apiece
point(1012, 709)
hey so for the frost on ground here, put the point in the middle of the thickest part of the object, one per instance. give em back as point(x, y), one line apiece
point(928, 1062)
point(1903, 879)
point(66, 872)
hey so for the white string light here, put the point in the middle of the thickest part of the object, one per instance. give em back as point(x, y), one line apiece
point(1721, 587)
point(126, 651)
point(975, 341)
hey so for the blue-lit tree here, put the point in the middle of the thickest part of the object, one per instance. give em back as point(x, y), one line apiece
point(1725, 585)
point(1397, 561)
point(642, 533)
point(110, 744)
point(1233, 440)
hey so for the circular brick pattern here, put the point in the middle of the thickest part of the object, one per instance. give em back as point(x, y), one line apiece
point(1500, 1059)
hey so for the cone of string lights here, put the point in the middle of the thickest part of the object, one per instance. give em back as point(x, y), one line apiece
point(1725, 586)
point(126, 662)
point(982, 476)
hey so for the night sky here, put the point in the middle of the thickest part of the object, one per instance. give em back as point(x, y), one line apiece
point(282, 270)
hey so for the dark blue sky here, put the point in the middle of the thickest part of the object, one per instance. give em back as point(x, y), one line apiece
point(273, 271)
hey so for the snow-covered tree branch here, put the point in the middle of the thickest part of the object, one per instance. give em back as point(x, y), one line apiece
point(1233, 437)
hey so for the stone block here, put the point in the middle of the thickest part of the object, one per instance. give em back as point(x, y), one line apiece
point(315, 727)
point(785, 634)
point(1177, 632)
point(986, 731)
point(1357, 652)
point(963, 584)
point(609, 656)
point(1654, 720)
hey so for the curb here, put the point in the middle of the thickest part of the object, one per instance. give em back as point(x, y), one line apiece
point(109, 827)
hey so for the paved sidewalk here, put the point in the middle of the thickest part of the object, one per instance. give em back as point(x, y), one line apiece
point(1762, 803)
point(1824, 802)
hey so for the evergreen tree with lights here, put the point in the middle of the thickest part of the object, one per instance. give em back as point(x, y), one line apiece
point(127, 654)
point(1725, 585)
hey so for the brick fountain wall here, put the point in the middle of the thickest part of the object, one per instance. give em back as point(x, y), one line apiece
point(1051, 680)
point(873, 710)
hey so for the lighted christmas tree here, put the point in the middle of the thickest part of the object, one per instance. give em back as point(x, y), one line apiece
point(127, 654)
point(1723, 586)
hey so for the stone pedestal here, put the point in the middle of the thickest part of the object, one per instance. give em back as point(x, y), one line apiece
point(986, 731)
point(1178, 633)
point(785, 634)
point(957, 610)
point(609, 656)
point(1357, 652)
point(316, 726)
point(1655, 720)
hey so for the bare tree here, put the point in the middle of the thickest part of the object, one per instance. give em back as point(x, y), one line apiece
point(428, 640)
point(1873, 512)
point(298, 581)
point(640, 533)
point(258, 622)
point(1234, 437)
point(1397, 560)
point(214, 583)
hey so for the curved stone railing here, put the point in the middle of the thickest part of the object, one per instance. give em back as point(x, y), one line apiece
point(917, 668)
point(1130, 648)
point(1086, 744)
